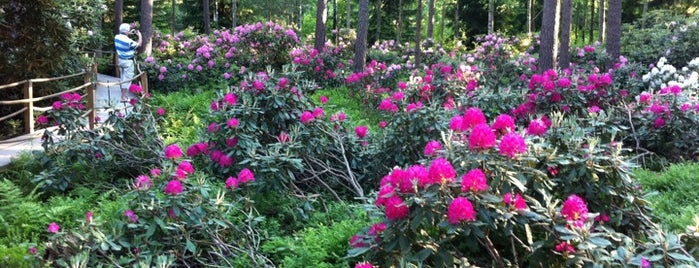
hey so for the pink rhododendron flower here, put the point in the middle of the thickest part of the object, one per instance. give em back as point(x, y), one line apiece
point(396, 209)
point(363, 265)
point(398, 95)
point(32, 250)
point(602, 218)
point(174, 187)
point(402, 85)
point(518, 202)
point(574, 210)
point(186, 166)
point(246, 176)
point(388, 106)
point(481, 137)
point(142, 182)
point(504, 123)
point(230, 99)
point(173, 152)
point(593, 109)
point(231, 183)
point(133, 218)
point(361, 131)
point(440, 171)
point(382, 124)
point(659, 122)
point(537, 127)
point(155, 172)
point(565, 247)
point(306, 117)
point(54, 227)
point(233, 123)
point(135, 89)
point(283, 137)
point(431, 147)
point(644, 97)
point(386, 191)
point(161, 111)
point(57, 105)
point(283, 82)
point(318, 112)
point(214, 106)
point(413, 106)
point(258, 85)
point(511, 145)
point(196, 149)
point(460, 209)
point(213, 127)
point(457, 123)
point(474, 180)
point(356, 242)
point(323, 99)
point(42, 119)
point(225, 161)
point(376, 229)
point(473, 117)
point(88, 217)
point(645, 263)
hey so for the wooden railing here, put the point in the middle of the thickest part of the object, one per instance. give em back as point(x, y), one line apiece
point(88, 89)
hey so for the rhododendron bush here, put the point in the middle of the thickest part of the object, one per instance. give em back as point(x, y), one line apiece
point(194, 60)
point(496, 194)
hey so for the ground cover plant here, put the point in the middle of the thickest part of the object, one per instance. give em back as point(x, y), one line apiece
point(474, 158)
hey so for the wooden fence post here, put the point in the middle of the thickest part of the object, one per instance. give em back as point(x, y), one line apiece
point(87, 78)
point(144, 83)
point(29, 113)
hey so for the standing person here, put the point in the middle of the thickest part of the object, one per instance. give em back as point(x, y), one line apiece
point(126, 50)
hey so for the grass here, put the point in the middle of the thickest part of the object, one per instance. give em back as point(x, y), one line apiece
point(673, 194)
point(339, 100)
point(183, 114)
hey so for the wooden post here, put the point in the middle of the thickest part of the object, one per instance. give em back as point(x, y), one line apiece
point(29, 113)
point(144, 83)
point(87, 78)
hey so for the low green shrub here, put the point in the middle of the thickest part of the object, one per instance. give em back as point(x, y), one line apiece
point(672, 194)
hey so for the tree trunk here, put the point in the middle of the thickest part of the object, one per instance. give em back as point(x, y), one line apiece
point(146, 27)
point(418, 34)
point(564, 48)
point(430, 20)
point(645, 7)
point(546, 49)
point(491, 16)
point(349, 14)
point(399, 31)
point(613, 32)
point(334, 20)
point(234, 13)
point(321, 19)
point(362, 32)
point(207, 22)
point(441, 29)
point(118, 15)
point(602, 17)
point(216, 12)
point(530, 10)
point(173, 19)
point(556, 33)
point(377, 9)
point(456, 19)
point(592, 21)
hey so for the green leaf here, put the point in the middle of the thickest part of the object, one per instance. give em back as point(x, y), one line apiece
point(191, 247)
point(601, 242)
point(422, 255)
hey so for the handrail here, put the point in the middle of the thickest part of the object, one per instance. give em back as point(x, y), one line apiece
point(47, 96)
point(89, 85)
point(13, 114)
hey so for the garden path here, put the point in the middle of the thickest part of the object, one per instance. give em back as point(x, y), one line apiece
point(107, 99)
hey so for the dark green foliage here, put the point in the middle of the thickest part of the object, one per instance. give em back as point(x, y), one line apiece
point(661, 34)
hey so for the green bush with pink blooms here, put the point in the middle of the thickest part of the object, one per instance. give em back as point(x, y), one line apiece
point(478, 159)
point(191, 61)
